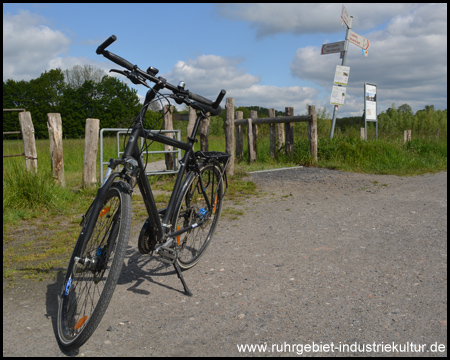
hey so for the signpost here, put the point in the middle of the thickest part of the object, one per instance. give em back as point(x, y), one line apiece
point(338, 92)
point(346, 18)
point(370, 106)
point(338, 95)
point(336, 47)
point(358, 40)
point(341, 75)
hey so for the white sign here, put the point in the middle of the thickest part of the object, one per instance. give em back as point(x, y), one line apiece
point(358, 40)
point(341, 75)
point(346, 17)
point(338, 95)
point(370, 101)
point(333, 48)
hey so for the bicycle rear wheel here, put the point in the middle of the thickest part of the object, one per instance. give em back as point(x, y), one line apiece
point(193, 209)
point(94, 269)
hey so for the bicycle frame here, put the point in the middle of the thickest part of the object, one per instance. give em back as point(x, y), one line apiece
point(132, 151)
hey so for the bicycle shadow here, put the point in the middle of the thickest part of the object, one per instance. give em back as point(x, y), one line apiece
point(138, 269)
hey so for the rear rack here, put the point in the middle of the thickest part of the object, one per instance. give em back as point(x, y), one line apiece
point(219, 157)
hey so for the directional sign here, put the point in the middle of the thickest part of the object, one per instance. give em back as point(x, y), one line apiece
point(346, 17)
point(358, 40)
point(333, 48)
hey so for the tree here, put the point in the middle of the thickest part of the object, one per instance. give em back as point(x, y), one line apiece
point(116, 104)
point(405, 115)
point(78, 75)
point(13, 98)
point(39, 96)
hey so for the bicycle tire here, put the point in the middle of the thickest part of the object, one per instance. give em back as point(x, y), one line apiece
point(191, 207)
point(88, 287)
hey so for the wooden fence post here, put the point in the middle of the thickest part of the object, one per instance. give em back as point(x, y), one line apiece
point(289, 129)
point(407, 136)
point(239, 136)
point(273, 135)
point(90, 152)
point(362, 134)
point(29, 144)
point(229, 134)
point(254, 130)
point(312, 132)
point(281, 137)
point(168, 125)
point(54, 125)
point(204, 132)
point(192, 118)
point(251, 149)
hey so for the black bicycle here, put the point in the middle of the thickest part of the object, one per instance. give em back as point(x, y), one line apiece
point(178, 234)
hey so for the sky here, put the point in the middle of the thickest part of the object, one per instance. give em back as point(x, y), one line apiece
point(266, 55)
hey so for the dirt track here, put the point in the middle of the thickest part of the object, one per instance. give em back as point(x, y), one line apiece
point(320, 258)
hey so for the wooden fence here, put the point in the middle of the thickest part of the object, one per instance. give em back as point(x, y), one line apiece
point(281, 137)
point(281, 131)
point(29, 144)
point(54, 125)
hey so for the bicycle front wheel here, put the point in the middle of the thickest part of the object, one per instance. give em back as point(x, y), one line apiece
point(193, 209)
point(94, 269)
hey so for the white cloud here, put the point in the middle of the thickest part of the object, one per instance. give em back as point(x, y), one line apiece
point(28, 46)
point(207, 71)
point(407, 60)
point(207, 74)
point(298, 18)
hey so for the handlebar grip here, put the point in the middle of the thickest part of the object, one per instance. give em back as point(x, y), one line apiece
point(219, 99)
point(200, 99)
point(118, 60)
point(106, 43)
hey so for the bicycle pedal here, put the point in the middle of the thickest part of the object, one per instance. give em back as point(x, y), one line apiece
point(167, 255)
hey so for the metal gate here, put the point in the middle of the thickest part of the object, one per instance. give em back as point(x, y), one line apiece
point(119, 132)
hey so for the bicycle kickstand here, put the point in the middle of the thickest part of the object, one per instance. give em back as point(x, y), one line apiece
point(180, 276)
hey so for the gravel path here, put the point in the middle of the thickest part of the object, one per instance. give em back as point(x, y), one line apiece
point(321, 261)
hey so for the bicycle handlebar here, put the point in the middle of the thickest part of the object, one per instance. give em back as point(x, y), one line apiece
point(208, 105)
point(105, 44)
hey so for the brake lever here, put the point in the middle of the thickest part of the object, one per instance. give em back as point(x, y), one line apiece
point(135, 79)
point(121, 72)
point(179, 99)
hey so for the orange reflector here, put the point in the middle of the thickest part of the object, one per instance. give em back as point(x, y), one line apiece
point(104, 211)
point(80, 322)
point(215, 204)
point(178, 237)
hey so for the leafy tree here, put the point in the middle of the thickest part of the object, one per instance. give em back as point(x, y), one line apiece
point(77, 76)
point(13, 98)
point(39, 96)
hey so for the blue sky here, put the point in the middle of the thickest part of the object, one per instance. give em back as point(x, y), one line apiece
point(262, 54)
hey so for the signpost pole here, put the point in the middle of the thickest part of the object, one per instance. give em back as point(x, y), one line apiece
point(344, 58)
point(354, 38)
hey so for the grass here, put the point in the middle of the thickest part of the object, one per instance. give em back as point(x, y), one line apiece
point(40, 218)
point(386, 156)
